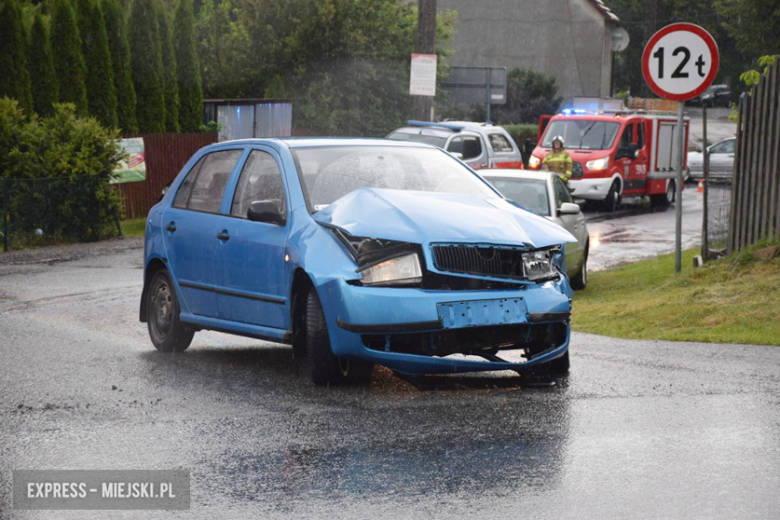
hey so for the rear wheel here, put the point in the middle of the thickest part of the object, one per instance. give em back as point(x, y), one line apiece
point(665, 200)
point(613, 198)
point(326, 368)
point(167, 332)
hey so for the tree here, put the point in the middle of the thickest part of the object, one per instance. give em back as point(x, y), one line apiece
point(120, 61)
point(170, 84)
point(187, 68)
point(146, 60)
point(45, 90)
point(14, 75)
point(754, 25)
point(101, 97)
point(68, 59)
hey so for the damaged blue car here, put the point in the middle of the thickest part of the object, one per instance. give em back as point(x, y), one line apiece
point(356, 252)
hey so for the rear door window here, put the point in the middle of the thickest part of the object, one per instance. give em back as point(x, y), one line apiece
point(204, 186)
point(468, 146)
point(499, 143)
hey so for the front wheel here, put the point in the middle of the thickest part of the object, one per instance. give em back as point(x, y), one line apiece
point(580, 280)
point(167, 332)
point(560, 365)
point(326, 368)
point(613, 198)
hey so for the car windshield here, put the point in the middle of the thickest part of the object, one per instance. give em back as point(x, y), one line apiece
point(582, 134)
point(330, 172)
point(418, 138)
point(529, 193)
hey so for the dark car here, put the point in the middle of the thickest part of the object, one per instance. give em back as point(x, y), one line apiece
point(715, 95)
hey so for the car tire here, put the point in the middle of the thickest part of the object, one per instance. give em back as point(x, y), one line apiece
point(166, 330)
point(665, 200)
point(326, 368)
point(560, 365)
point(580, 280)
point(612, 200)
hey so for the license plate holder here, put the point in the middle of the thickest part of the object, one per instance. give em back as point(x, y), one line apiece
point(481, 313)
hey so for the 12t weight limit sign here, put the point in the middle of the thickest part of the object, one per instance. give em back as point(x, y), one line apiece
point(680, 61)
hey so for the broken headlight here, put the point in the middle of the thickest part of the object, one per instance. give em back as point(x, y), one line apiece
point(402, 270)
point(538, 265)
point(383, 262)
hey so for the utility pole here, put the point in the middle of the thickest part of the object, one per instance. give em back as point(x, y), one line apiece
point(422, 106)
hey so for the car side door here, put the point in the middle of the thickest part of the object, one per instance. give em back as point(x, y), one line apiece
point(721, 157)
point(574, 224)
point(189, 230)
point(251, 255)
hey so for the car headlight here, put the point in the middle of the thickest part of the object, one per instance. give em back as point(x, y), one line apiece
point(533, 162)
point(538, 265)
point(598, 164)
point(402, 270)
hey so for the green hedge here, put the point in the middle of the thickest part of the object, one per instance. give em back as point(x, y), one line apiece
point(55, 174)
point(522, 132)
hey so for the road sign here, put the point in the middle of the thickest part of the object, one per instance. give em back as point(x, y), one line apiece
point(422, 81)
point(680, 61)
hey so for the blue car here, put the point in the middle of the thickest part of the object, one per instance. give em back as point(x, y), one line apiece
point(356, 252)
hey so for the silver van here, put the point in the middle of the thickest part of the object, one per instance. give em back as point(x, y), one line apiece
point(480, 145)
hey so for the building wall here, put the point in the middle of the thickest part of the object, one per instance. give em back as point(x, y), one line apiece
point(568, 39)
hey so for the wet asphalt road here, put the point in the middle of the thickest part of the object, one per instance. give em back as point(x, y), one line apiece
point(638, 429)
point(637, 231)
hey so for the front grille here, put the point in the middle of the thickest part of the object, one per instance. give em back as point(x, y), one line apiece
point(480, 260)
point(576, 170)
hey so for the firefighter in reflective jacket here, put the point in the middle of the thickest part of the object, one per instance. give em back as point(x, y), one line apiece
point(558, 160)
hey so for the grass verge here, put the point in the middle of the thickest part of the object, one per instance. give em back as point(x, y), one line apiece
point(134, 227)
point(732, 300)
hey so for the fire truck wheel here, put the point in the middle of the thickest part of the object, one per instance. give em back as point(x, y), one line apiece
point(613, 198)
point(665, 200)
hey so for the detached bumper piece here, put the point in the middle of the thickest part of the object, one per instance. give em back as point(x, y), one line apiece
point(485, 341)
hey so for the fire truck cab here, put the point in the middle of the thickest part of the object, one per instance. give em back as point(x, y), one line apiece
point(615, 155)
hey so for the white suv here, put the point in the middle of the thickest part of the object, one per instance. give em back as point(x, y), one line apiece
point(480, 145)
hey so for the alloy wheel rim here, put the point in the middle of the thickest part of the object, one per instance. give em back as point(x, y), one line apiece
point(162, 311)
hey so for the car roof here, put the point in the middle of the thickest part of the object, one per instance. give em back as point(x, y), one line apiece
point(309, 142)
point(516, 174)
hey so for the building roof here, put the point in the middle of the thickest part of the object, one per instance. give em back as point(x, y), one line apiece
point(605, 11)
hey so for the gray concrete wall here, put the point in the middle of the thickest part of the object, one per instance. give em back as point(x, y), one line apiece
point(568, 39)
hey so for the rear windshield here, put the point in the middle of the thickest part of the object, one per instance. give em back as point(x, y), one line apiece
point(529, 193)
point(581, 134)
point(418, 138)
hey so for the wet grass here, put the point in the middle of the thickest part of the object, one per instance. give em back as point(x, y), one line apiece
point(732, 300)
point(134, 227)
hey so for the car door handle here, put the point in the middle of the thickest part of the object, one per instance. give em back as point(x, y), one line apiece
point(223, 236)
point(170, 227)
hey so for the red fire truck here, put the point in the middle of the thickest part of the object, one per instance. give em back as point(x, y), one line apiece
point(615, 155)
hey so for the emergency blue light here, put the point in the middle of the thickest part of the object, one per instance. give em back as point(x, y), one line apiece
point(566, 111)
point(456, 128)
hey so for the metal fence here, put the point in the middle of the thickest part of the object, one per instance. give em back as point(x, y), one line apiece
point(755, 204)
point(37, 212)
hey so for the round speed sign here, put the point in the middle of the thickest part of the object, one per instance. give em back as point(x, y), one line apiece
point(680, 61)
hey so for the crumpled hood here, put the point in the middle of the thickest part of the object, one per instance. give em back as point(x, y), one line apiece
point(419, 217)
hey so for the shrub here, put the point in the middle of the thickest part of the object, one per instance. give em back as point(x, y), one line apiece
point(59, 171)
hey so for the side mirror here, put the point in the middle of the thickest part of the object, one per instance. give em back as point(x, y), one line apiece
point(457, 155)
point(569, 208)
point(265, 211)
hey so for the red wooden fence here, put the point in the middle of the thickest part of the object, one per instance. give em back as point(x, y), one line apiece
point(165, 156)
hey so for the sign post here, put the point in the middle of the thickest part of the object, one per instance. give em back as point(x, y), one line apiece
point(679, 62)
point(422, 80)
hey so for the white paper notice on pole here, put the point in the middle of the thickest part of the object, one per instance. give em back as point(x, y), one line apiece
point(423, 78)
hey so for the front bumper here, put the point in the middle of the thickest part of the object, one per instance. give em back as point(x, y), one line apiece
point(590, 189)
point(416, 331)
